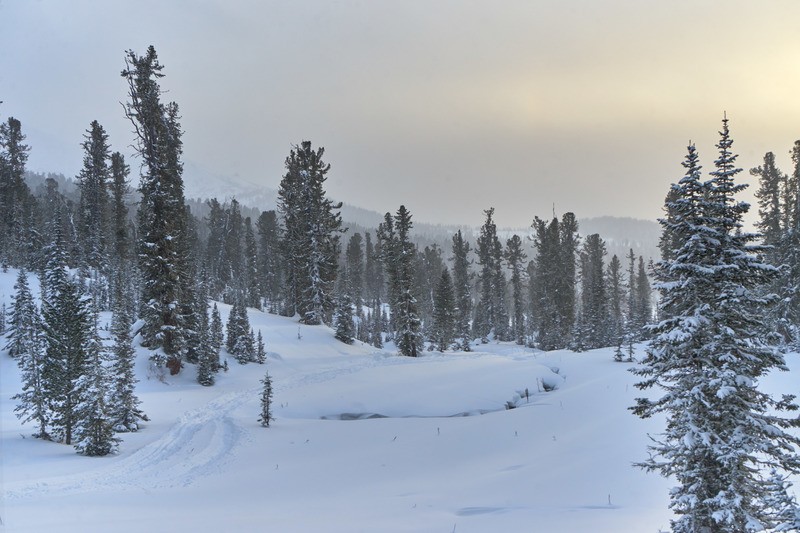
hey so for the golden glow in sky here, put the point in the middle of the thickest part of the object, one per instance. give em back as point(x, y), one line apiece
point(449, 107)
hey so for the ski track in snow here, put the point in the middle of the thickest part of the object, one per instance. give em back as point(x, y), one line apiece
point(198, 445)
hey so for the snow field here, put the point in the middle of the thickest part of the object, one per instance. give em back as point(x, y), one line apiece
point(559, 461)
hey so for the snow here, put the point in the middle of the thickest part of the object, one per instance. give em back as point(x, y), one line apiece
point(363, 440)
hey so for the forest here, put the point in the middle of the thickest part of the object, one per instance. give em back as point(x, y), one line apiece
point(728, 300)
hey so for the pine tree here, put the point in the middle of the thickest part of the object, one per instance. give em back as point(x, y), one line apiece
point(94, 432)
point(492, 282)
point(94, 198)
point(398, 258)
point(239, 339)
point(311, 227)
point(594, 302)
point(462, 290)
point(209, 357)
point(217, 335)
point(125, 412)
point(251, 266)
point(708, 355)
point(266, 401)
point(27, 346)
point(162, 215)
point(553, 284)
point(67, 329)
point(270, 265)
point(770, 208)
point(16, 201)
point(515, 258)
point(355, 269)
point(444, 313)
point(261, 353)
point(616, 293)
point(343, 319)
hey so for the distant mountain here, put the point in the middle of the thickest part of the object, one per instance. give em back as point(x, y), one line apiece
point(619, 233)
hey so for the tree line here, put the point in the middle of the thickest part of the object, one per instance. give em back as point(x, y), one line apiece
point(141, 254)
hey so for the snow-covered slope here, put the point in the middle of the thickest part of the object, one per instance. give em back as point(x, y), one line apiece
point(363, 441)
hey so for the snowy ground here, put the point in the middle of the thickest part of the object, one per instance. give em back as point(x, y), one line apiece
point(445, 455)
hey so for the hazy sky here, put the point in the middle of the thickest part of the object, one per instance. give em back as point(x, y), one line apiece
point(449, 107)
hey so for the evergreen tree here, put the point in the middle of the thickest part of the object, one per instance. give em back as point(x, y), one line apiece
point(444, 313)
point(515, 258)
point(398, 259)
point(94, 198)
point(162, 215)
point(616, 293)
point(708, 355)
point(311, 227)
point(343, 319)
point(770, 208)
point(354, 256)
point(27, 346)
point(94, 432)
point(67, 327)
point(16, 202)
point(261, 353)
point(209, 357)
point(644, 305)
point(266, 401)
point(238, 338)
point(251, 274)
point(270, 265)
point(594, 302)
point(125, 411)
point(373, 273)
point(553, 285)
point(216, 329)
point(462, 290)
point(494, 316)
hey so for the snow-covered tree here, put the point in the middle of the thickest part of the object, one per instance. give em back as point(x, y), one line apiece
point(707, 355)
point(462, 290)
point(163, 218)
point(311, 225)
point(343, 318)
point(27, 345)
point(94, 431)
point(444, 313)
point(124, 410)
point(398, 258)
point(266, 401)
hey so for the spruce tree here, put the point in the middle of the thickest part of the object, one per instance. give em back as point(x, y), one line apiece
point(270, 264)
point(217, 334)
point(125, 410)
point(494, 316)
point(94, 432)
point(67, 327)
point(94, 198)
point(462, 290)
point(311, 227)
point(398, 259)
point(594, 318)
point(343, 319)
point(354, 256)
point(162, 216)
point(444, 313)
point(16, 201)
point(515, 258)
point(709, 352)
point(27, 346)
point(266, 401)
point(239, 341)
point(616, 293)
point(261, 353)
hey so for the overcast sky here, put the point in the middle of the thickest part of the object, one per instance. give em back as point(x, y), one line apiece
point(448, 107)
